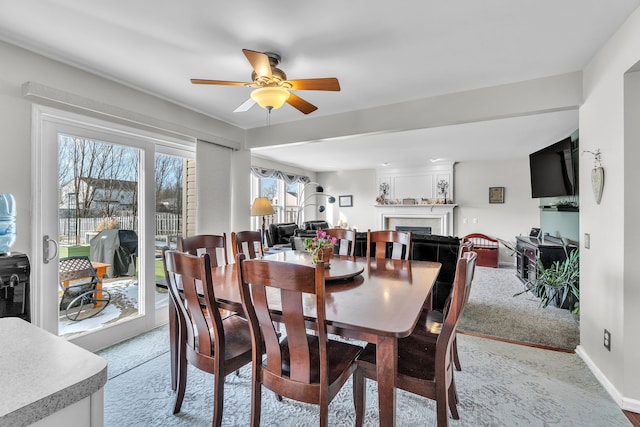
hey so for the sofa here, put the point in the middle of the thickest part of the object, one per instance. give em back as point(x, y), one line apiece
point(283, 233)
point(428, 247)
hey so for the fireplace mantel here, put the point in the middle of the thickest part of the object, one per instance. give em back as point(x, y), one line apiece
point(433, 215)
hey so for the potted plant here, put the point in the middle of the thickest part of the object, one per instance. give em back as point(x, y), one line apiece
point(559, 284)
point(320, 247)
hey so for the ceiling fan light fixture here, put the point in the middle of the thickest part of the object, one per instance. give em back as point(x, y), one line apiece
point(270, 97)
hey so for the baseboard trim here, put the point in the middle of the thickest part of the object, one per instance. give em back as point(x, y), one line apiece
point(507, 340)
point(624, 403)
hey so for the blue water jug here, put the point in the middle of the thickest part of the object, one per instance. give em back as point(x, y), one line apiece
point(7, 222)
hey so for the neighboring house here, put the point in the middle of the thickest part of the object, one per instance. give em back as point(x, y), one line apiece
point(98, 196)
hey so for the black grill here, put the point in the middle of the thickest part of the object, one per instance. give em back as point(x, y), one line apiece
point(14, 285)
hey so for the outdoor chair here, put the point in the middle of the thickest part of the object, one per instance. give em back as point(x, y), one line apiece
point(82, 294)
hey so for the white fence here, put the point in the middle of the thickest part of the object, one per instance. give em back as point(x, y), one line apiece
point(166, 225)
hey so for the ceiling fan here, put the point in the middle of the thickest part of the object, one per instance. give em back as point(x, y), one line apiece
point(272, 87)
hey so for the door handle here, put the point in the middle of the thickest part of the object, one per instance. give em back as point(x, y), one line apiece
point(45, 249)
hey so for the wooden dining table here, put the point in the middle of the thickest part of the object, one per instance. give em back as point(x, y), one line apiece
point(372, 300)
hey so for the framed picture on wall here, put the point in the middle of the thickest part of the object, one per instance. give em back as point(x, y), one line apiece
point(496, 194)
point(345, 201)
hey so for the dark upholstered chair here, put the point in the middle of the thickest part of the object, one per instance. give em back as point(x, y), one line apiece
point(316, 224)
point(303, 367)
point(445, 250)
point(424, 366)
point(209, 243)
point(210, 343)
point(281, 233)
point(400, 242)
point(346, 240)
point(248, 243)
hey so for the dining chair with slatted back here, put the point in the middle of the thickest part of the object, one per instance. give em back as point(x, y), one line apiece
point(300, 366)
point(431, 321)
point(248, 243)
point(209, 243)
point(346, 240)
point(205, 340)
point(425, 367)
point(400, 240)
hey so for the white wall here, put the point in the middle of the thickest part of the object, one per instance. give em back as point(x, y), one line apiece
point(514, 217)
point(20, 66)
point(362, 185)
point(472, 181)
point(609, 279)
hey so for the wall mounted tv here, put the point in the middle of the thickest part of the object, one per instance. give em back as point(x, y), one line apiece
point(552, 171)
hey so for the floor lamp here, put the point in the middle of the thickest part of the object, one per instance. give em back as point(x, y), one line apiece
point(318, 193)
point(262, 207)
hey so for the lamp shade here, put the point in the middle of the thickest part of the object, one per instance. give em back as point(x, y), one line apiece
point(270, 97)
point(262, 206)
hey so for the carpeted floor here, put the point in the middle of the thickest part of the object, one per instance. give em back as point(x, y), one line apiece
point(501, 384)
point(493, 310)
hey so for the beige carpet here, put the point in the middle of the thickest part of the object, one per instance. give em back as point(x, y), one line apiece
point(493, 310)
point(501, 384)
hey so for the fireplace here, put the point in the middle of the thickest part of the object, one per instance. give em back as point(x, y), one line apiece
point(437, 217)
point(413, 229)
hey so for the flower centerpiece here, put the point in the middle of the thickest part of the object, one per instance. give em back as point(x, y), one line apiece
point(320, 247)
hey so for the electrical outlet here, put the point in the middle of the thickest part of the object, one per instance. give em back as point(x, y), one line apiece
point(607, 340)
point(587, 240)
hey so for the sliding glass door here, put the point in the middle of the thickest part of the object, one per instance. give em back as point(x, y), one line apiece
point(113, 196)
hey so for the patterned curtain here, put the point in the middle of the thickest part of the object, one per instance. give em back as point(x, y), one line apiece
point(288, 178)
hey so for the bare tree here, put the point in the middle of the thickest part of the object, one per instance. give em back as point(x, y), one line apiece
point(100, 173)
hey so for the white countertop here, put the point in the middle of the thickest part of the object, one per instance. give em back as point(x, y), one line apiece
point(41, 373)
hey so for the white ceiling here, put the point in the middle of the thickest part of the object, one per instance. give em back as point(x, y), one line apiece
point(381, 52)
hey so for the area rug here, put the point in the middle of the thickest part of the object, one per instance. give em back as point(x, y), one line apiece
point(493, 310)
point(501, 384)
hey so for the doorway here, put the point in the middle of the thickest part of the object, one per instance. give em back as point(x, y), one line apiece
point(100, 200)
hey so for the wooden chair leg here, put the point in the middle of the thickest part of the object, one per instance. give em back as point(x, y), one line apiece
point(359, 395)
point(218, 397)
point(454, 350)
point(442, 410)
point(324, 412)
point(453, 400)
point(256, 400)
point(173, 344)
point(181, 376)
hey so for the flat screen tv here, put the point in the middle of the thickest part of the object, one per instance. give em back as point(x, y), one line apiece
point(552, 171)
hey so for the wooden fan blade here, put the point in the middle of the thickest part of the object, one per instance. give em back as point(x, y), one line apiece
point(245, 106)
point(330, 83)
point(218, 82)
point(300, 104)
point(259, 61)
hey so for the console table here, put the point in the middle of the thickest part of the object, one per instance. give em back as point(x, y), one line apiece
point(529, 250)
